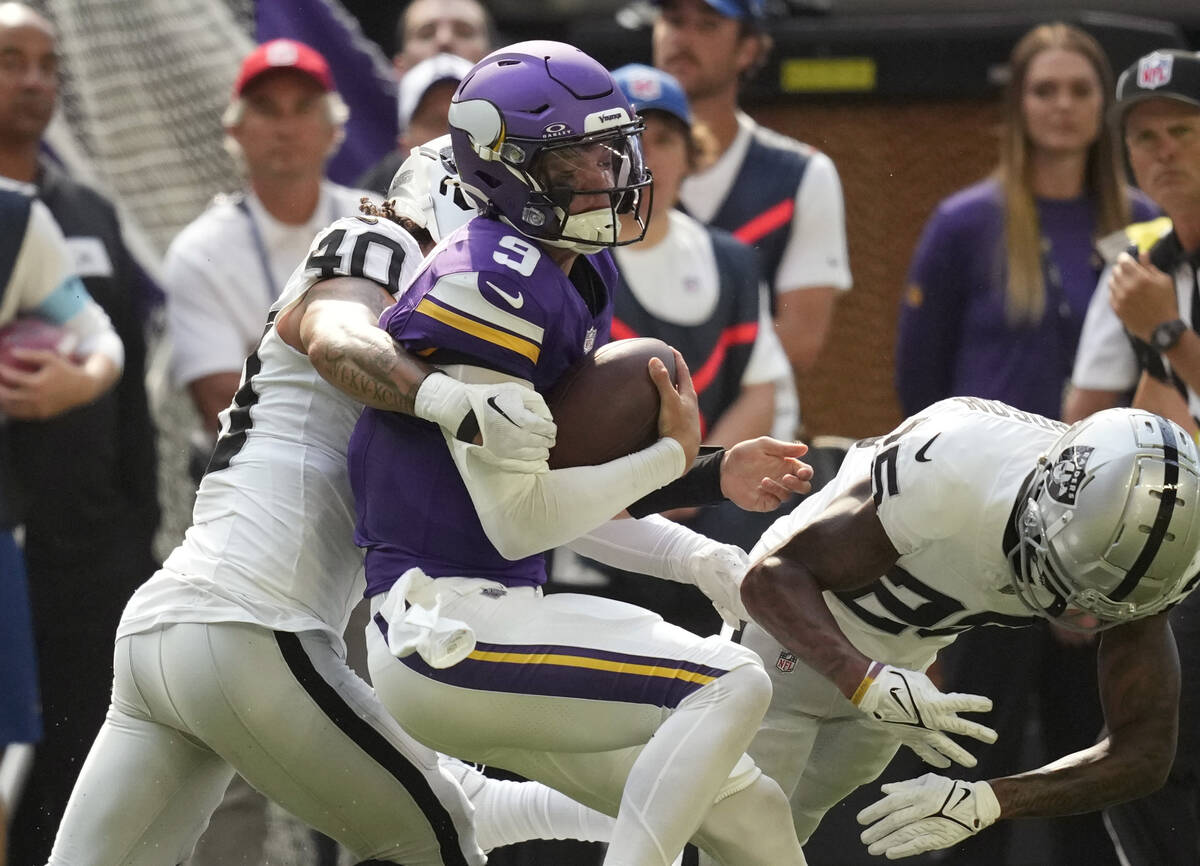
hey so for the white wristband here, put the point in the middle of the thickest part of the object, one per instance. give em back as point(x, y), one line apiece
point(443, 400)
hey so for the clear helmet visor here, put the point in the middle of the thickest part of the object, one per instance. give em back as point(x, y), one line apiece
point(588, 185)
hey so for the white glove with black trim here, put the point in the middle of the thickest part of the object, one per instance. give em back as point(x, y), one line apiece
point(926, 814)
point(912, 709)
point(511, 419)
point(718, 570)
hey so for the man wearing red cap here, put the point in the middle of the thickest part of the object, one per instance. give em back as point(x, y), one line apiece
point(222, 272)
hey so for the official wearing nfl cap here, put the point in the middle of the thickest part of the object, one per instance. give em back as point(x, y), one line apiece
point(1155, 296)
point(1168, 73)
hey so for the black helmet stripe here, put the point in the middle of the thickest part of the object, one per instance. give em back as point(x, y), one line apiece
point(1166, 506)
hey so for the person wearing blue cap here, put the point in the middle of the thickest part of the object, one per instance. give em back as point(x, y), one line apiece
point(781, 196)
point(700, 290)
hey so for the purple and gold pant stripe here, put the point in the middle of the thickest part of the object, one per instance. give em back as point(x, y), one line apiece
point(573, 672)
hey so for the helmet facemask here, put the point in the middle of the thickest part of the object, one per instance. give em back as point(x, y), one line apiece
point(614, 158)
point(1041, 586)
point(608, 164)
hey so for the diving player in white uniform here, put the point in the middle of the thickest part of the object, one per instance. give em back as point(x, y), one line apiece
point(972, 513)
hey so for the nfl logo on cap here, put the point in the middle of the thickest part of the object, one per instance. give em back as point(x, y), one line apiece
point(1154, 70)
point(644, 88)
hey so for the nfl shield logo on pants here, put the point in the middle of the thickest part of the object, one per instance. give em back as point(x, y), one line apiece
point(1154, 70)
point(786, 662)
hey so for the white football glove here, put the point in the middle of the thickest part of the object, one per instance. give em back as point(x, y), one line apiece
point(926, 814)
point(513, 421)
point(717, 570)
point(915, 712)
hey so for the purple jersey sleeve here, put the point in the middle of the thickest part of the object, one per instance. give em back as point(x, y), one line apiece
point(487, 317)
point(493, 298)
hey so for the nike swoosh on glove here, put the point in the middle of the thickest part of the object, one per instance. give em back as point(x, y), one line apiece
point(926, 814)
point(920, 716)
point(512, 420)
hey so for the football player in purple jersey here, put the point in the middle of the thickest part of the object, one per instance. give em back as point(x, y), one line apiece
point(599, 699)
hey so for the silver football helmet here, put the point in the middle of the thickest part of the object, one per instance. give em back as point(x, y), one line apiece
point(427, 190)
point(1109, 526)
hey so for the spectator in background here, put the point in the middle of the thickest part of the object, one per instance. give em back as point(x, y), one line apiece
point(36, 279)
point(226, 268)
point(89, 476)
point(769, 190)
point(1141, 328)
point(284, 122)
point(425, 93)
point(463, 28)
point(700, 290)
point(997, 292)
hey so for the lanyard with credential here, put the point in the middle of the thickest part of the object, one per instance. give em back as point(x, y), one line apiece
point(264, 257)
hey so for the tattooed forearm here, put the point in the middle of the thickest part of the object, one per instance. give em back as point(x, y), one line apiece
point(373, 373)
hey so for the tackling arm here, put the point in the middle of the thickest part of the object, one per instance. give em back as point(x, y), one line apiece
point(844, 548)
point(334, 323)
point(1139, 691)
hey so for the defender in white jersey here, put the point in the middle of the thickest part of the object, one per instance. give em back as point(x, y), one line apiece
point(231, 656)
point(972, 513)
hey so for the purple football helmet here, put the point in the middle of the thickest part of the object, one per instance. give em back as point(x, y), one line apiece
point(540, 125)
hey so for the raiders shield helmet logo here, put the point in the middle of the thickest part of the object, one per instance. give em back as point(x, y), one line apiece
point(1067, 473)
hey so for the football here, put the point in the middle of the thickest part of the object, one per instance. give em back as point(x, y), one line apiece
point(28, 332)
point(606, 406)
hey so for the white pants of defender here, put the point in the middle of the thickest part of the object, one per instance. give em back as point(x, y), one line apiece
point(817, 745)
point(567, 689)
point(193, 702)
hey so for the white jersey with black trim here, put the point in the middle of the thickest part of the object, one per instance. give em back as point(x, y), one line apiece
point(944, 483)
point(271, 540)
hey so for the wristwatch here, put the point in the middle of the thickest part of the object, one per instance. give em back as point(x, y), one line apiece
point(1165, 336)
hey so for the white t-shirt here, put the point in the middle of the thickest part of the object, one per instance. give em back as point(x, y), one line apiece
point(216, 278)
point(816, 253)
point(272, 535)
point(945, 483)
